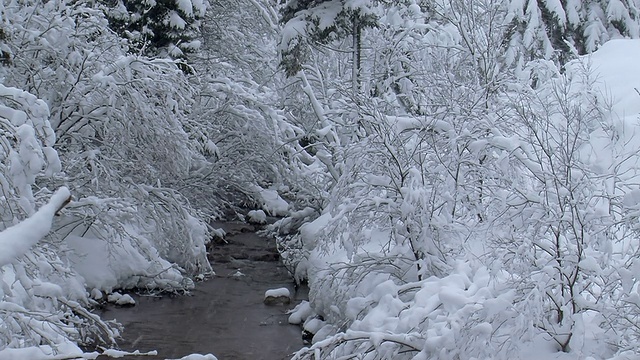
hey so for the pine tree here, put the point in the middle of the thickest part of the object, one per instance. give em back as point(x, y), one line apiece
point(309, 22)
point(557, 30)
point(159, 27)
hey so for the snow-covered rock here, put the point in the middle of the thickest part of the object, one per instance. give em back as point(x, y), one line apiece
point(313, 325)
point(113, 353)
point(280, 296)
point(218, 233)
point(96, 294)
point(120, 299)
point(257, 217)
point(238, 274)
point(273, 204)
point(301, 313)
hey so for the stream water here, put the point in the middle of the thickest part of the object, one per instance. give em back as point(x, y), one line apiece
point(225, 315)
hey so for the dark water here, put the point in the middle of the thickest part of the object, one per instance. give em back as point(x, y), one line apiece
point(225, 315)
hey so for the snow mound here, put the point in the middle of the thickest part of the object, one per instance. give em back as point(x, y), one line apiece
point(301, 313)
point(112, 353)
point(273, 204)
point(218, 233)
point(44, 352)
point(93, 258)
point(120, 299)
point(277, 292)
point(615, 66)
point(257, 217)
point(280, 296)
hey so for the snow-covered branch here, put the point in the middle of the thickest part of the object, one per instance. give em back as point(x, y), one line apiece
point(16, 240)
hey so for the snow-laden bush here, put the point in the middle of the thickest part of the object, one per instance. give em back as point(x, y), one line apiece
point(468, 314)
point(400, 145)
point(238, 124)
point(116, 122)
point(571, 226)
point(454, 158)
point(119, 122)
point(546, 256)
point(435, 318)
point(557, 228)
point(43, 300)
point(110, 126)
point(236, 129)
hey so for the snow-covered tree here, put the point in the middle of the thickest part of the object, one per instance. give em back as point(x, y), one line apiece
point(237, 124)
point(164, 27)
point(309, 23)
point(560, 30)
point(439, 174)
point(43, 302)
point(106, 106)
point(556, 244)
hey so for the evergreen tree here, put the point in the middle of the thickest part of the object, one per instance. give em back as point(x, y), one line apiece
point(162, 27)
point(308, 22)
point(556, 30)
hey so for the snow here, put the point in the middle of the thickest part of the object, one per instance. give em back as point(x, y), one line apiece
point(301, 313)
point(257, 217)
point(175, 21)
point(291, 31)
point(311, 230)
point(614, 66)
point(453, 298)
point(67, 351)
point(192, 46)
point(53, 161)
point(200, 6)
point(96, 294)
point(590, 264)
point(185, 6)
point(555, 7)
point(313, 325)
point(120, 299)
point(403, 123)
point(219, 233)
point(272, 203)
point(326, 13)
point(45, 352)
point(238, 274)
point(16, 240)
point(119, 354)
point(93, 258)
point(279, 292)
point(616, 81)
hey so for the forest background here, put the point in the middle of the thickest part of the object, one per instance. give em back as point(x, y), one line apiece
point(461, 178)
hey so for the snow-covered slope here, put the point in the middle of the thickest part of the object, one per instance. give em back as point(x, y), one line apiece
point(617, 75)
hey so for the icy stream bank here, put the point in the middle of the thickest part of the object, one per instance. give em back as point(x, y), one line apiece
point(226, 315)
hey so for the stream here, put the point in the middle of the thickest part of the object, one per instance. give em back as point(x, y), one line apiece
point(224, 315)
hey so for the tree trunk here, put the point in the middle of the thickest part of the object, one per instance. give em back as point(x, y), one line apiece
point(357, 51)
